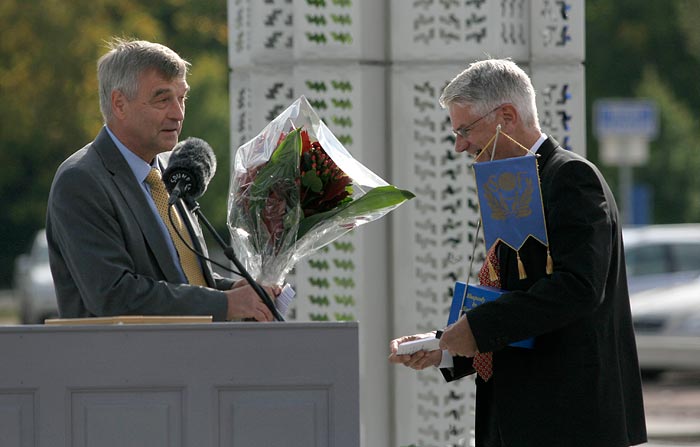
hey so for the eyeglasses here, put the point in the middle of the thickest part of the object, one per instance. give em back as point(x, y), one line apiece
point(464, 130)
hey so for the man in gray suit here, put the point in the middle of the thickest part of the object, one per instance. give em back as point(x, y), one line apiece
point(110, 251)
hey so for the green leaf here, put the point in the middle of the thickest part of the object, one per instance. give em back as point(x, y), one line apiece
point(312, 181)
point(282, 166)
point(375, 200)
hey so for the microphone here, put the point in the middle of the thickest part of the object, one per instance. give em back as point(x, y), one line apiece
point(191, 167)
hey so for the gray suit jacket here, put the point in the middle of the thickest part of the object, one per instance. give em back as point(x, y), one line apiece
point(107, 253)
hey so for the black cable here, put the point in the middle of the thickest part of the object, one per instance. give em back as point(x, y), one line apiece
point(195, 251)
point(228, 251)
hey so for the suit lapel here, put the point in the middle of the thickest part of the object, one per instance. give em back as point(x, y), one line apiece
point(136, 202)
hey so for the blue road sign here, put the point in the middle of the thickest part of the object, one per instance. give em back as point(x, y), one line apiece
point(632, 117)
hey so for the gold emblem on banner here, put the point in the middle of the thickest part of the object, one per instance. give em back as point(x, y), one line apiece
point(509, 195)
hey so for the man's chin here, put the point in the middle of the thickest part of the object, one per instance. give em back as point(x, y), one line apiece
point(169, 139)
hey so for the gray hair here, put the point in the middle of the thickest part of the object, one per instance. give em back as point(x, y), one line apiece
point(489, 83)
point(120, 68)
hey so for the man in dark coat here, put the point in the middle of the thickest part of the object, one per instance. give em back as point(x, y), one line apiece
point(580, 384)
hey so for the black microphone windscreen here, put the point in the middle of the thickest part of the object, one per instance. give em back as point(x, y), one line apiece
point(193, 163)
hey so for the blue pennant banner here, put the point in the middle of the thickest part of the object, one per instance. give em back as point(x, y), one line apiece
point(510, 200)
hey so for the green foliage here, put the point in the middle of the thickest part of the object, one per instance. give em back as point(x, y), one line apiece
point(652, 50)
point(379, 198)
point(674, 153)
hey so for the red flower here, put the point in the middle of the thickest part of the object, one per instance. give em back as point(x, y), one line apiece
point(324, 185)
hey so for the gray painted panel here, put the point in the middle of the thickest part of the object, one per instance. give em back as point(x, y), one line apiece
point(17, 420)
point(292, 418)
point(165, 385)
point(126, 418)
point(10, 428)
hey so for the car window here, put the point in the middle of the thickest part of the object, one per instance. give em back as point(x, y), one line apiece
point(647, 260)
point(686, 257)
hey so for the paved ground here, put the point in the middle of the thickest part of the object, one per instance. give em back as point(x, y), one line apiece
point(672, 406)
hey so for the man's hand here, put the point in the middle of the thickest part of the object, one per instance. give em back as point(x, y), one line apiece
point(458, 339)
point(419, 360)
point(239, 283)
point(243, 302)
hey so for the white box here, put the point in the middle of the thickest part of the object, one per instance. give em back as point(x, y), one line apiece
point(459, 31)
point(433, 237)
point(260, 32)
point(561, 103)
point(283, 31)
point(340, 30)
point(558, 31)
point(350, 98)
point(257, 96)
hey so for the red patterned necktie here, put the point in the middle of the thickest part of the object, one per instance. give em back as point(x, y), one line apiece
point(489, 275)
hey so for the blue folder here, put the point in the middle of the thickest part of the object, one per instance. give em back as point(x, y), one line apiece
point(468, 297)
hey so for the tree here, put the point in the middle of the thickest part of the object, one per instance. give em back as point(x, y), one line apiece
point(650, 49)
point(674, 155)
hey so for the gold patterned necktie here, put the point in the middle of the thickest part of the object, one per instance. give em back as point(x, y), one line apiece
point(489, 275)
point(188, 259)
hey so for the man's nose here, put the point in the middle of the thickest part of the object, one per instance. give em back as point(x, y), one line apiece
point(461, 145)
point(177, 111)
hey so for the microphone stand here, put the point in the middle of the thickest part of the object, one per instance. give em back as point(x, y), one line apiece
point(228, 251)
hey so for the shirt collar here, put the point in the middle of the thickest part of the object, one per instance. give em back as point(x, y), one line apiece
point(538, 143)
point(139, 167)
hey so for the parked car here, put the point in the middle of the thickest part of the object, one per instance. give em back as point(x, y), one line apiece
point(33, 283)
point(663, 273)
point(661, 255)
point(667, 326)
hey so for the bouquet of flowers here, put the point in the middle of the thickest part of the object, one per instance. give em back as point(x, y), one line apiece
point(295, 188)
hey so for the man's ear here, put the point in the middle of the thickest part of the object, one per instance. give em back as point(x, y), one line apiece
point(119, 104)
point(509, 114)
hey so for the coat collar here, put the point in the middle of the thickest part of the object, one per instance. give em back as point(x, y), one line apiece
point(545, 151)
